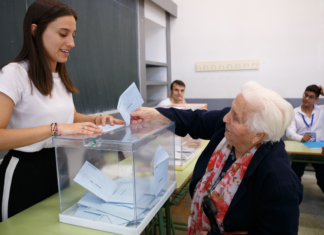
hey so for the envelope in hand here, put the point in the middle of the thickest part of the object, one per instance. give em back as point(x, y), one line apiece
point(129, 101)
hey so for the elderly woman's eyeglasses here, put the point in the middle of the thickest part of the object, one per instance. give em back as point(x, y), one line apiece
point(309, 96)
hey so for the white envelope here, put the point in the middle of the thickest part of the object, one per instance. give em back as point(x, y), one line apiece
point(95, 181)
point(129, 101)
point(108, 127)
point(160, 175)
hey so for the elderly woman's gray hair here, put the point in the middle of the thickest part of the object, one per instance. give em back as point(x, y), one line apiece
point(271, 113)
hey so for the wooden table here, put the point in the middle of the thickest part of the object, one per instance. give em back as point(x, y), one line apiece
point(183, 176)
point(300, 153)
point(297, 147)
point(43, 218)
point(190, 106)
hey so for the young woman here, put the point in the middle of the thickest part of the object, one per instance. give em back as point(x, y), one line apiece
point(36, 103)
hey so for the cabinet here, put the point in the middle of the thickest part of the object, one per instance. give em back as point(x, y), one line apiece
point(155, 60)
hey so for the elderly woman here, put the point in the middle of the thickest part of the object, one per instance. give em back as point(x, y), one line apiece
point(244, 169)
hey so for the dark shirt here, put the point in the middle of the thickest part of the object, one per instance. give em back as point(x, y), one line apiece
point(267, 200)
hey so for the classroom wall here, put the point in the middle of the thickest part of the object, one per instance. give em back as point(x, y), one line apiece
point(286, 36)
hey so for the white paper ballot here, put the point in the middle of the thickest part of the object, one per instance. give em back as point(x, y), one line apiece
point(109, 218)
point(118, 221)
point(104, 219)
point(129, 214)
point(161, 164)
point(123, 194)
point(129, 101)
point(81, 213)
point(90, 200)
point(108, 127)
point(156, 200)
point(95, 181)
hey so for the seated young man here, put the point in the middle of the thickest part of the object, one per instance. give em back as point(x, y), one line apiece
point(177, 90)
point(308, 126)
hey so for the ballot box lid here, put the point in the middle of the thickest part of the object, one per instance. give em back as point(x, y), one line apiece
point(132, 134)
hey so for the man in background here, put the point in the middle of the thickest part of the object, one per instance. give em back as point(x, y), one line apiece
point(308, 126)
point(177, 91)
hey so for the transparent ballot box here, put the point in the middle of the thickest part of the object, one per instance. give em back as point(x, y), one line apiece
point(186, 150)
point(116, 181)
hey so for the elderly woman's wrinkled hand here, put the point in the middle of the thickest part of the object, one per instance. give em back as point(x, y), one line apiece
point(143, 114)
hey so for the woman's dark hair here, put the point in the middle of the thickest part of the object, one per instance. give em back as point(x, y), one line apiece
point(315, 89)
point(178, 82)
point(41, 13)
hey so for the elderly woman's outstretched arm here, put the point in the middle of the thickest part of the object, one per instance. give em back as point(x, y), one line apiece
point(198, 124)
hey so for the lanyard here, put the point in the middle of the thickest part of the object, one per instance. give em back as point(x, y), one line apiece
point(309, 126)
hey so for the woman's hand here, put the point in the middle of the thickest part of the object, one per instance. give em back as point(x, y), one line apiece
point(87, 128)
point(143, 114)
point(203, 232)
point(103, 119)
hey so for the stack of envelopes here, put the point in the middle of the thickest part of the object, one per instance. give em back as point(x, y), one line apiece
point(183, 153)
point(119, 210)
point(112, 201)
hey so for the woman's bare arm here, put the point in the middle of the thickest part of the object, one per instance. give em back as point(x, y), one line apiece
point(15, 138)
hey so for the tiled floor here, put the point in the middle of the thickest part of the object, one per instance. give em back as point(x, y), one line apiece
point(311, 220)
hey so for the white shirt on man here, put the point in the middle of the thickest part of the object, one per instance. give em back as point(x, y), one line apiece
point(31, 108)
point(298, 127)
point(165, 103)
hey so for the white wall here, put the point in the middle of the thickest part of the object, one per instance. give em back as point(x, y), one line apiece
point(286, 35)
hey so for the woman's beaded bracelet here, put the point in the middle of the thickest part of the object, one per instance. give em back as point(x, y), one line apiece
point(54, 129)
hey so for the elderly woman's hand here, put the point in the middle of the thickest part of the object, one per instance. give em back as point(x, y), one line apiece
point(103, 119)
point(143, 114)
